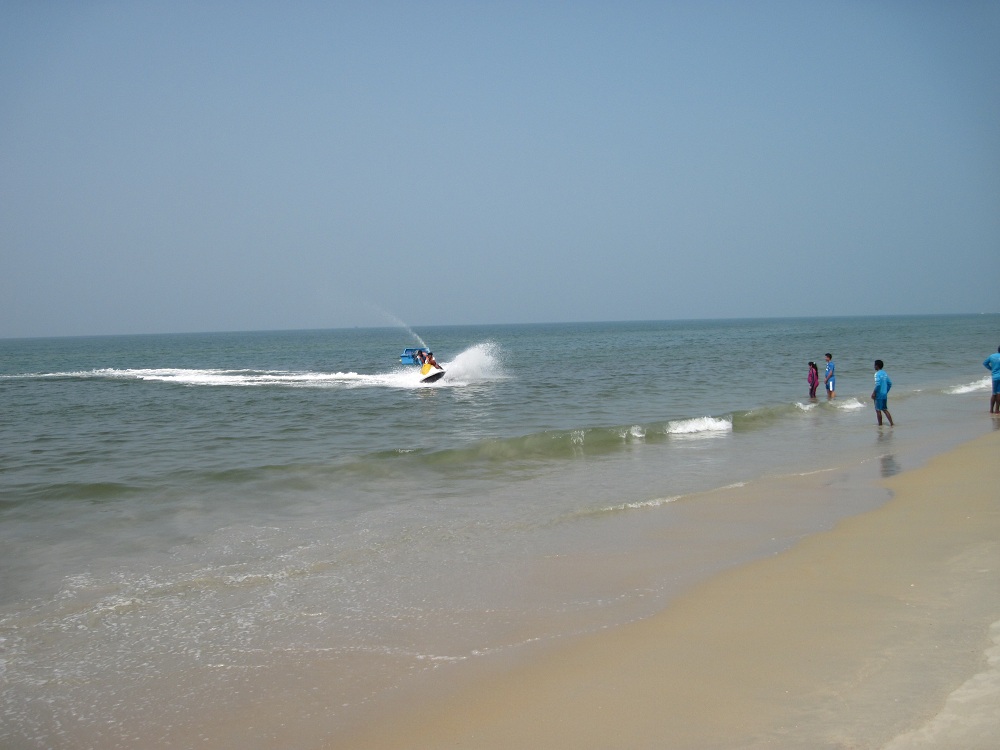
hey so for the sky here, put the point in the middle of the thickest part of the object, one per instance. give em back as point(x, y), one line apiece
point(223, 166)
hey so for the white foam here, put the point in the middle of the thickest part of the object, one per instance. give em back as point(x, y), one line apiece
point(641, 505)
point(635, 432)
point(699, 426)
point(974, 387)
point(849, 404)
point(477, 364)
point(216, 377)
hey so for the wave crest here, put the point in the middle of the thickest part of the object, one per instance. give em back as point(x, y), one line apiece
point(849, 404)
point(974, 387)
point(699, 426)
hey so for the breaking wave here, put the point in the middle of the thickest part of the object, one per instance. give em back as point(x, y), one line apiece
point(976, 386)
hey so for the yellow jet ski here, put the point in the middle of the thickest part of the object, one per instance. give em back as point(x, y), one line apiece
point(418, 356)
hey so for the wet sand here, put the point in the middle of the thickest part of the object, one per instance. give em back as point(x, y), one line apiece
point(875, 634)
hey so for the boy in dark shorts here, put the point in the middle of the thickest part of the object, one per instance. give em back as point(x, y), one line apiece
point(881, 393)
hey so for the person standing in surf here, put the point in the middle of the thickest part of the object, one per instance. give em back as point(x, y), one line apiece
point(992, 363)
point(831, 378)
point(813, 379)
point(881, 393)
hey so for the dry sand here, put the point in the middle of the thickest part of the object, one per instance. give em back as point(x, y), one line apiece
point(875, 634)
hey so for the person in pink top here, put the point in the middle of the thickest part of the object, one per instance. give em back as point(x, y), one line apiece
point(813, 379)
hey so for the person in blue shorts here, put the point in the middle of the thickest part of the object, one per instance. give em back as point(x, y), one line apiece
point(992, 363)
point(831, 379)
point(881, 393)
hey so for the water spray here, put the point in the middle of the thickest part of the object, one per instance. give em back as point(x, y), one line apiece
point(399, 323)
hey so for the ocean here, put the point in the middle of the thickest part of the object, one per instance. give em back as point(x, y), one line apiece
point(288, 526)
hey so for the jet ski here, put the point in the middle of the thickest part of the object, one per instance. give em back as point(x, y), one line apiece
point(414, 356)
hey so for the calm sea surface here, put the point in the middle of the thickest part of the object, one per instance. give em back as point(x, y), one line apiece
point(187, 521)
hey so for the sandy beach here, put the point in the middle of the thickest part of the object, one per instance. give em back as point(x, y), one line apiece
point(881, 633)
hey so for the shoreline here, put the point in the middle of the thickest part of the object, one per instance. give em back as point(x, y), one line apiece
point(854, 637)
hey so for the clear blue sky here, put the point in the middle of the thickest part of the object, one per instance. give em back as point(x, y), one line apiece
point(213, 166)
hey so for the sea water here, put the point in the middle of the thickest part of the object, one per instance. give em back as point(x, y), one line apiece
point(194, 525)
